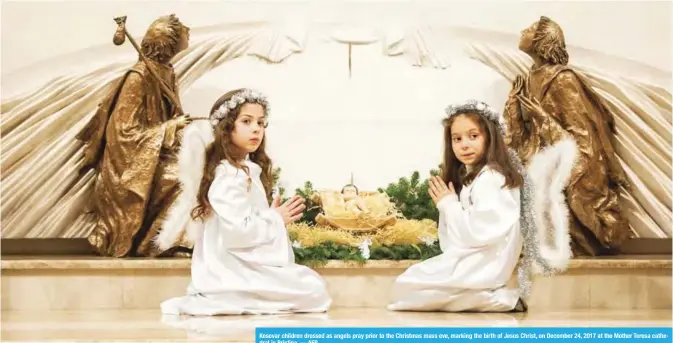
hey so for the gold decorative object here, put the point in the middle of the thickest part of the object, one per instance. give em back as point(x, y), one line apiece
point(403, 232)
point(554, 101)
point(132, 143)
point(355, 211)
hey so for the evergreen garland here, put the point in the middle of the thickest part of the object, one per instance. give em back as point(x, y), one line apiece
point(319, 255)
point(312, 209)
point(399, 252)
point(411, 197)
point(275, 178)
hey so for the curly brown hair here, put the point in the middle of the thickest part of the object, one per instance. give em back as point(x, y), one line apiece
point(495, 156)
point(549, 43)
point(223, 148)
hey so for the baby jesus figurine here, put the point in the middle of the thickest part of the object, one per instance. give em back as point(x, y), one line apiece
point(352, 201)
point(350, 210)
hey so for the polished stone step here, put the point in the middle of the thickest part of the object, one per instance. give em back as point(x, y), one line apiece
point(88, 283)
point(149, 326)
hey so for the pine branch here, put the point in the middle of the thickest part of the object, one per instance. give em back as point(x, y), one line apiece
point(411, 197)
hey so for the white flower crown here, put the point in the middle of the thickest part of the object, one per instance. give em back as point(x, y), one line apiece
point(245, 96)
point(481, 108)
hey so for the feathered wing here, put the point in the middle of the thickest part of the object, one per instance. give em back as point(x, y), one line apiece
point(642, 114)
point(549, 171)
point(179, 225)
point(43, 194)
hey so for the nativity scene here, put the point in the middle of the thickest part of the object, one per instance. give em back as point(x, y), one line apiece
point(200, 171)
point(618, 124)
point(354, 211)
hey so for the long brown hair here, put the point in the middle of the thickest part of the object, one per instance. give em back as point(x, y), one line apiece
point(223, 148)
point(495, 155)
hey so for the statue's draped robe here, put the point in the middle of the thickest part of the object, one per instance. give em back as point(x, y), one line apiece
point(134, 148)
point(572, 108)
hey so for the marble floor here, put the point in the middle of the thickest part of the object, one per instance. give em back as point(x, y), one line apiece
point(149, 325)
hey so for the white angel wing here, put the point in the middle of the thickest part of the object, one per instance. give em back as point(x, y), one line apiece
point(43, 195)
point(642, 114)
point(549, 171)
point(191, 159)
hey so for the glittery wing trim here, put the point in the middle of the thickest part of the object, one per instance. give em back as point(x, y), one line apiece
point(550, 171)
point(531, 244)
point(191, 159)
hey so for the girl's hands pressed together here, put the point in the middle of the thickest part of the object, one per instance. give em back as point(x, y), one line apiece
point(438, 189)
point(291, 210)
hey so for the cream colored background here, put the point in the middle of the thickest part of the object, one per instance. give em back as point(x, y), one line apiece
point(381, 123)
point(638, 30)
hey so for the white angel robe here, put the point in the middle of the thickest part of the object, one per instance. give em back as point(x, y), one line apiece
point(481, 243)
point(243, 263)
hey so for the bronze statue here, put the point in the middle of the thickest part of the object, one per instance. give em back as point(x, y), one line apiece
point(553, 101)
point(132, 141)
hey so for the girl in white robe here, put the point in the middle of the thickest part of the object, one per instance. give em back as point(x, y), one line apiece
point(483, 230)
point(243, 262)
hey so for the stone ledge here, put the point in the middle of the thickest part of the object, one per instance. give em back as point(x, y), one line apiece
point(65, 283)
point(93, 262)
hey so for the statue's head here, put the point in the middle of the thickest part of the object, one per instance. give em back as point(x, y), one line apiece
point(165, 38)
point(349, 192)
point(544, 39)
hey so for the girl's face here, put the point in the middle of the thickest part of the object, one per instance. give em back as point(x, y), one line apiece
point(467, 140)
point(249, 128)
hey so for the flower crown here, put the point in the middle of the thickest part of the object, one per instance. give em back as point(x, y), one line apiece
point(481, 108)
point(245, 96)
